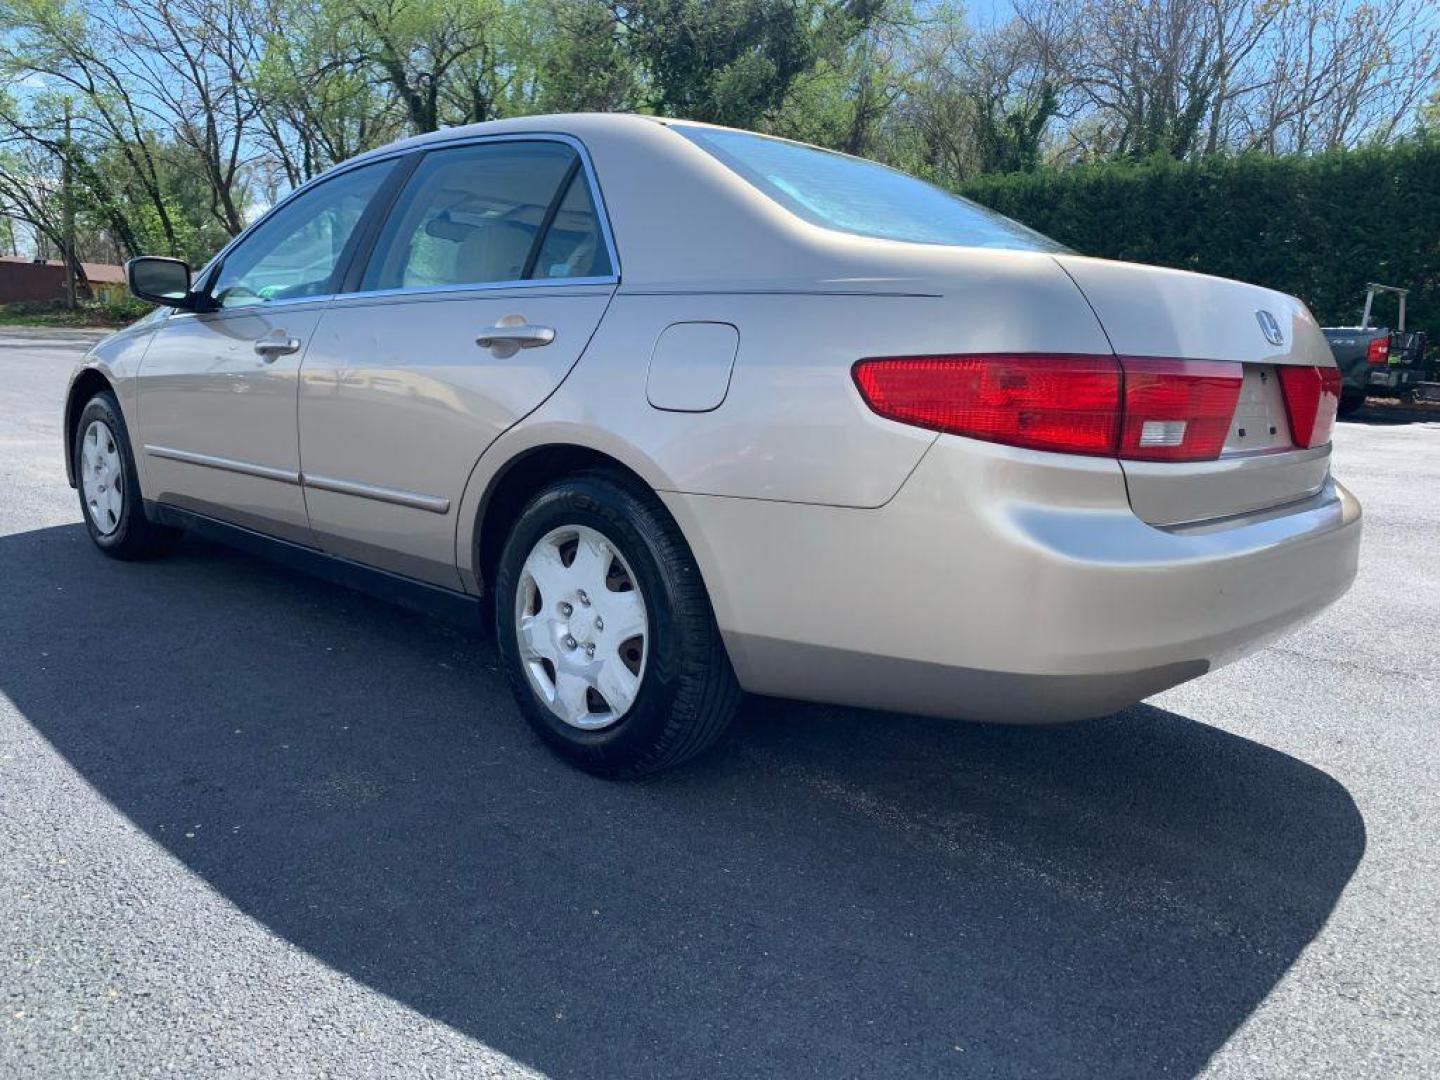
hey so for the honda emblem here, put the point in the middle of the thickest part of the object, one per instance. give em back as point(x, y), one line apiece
point(1270, 327)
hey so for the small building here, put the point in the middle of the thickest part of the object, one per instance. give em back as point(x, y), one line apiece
point(44, 280)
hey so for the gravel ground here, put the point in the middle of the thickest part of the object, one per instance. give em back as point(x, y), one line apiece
point(256, 825)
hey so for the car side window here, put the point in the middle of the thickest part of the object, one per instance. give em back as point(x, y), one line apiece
point(471, 215)
point(573, 245)
point(296, 250)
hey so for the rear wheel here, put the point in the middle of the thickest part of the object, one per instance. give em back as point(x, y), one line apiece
point(109, 488)
point(606, 631)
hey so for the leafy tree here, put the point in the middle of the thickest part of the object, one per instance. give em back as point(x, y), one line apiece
point(318, 102)
point(1288, 222)
point(727, 61)
point(862, 70)
point(187, 115)
point(580, 60)
point(444, 60)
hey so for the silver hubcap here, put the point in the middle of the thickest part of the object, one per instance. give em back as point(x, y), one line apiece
point(580, 620)
point(100, 477)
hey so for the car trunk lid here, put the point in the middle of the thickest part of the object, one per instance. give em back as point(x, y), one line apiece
point(1149, 311)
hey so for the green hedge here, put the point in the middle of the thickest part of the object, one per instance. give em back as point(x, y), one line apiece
point(1318, 227)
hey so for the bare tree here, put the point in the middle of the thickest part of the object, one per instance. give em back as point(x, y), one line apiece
point(982, 99)
point(187, 63)
point(1152, 69)
point(30, 194)
point(1183, 77)
point(1343, 75)
point(55, 43)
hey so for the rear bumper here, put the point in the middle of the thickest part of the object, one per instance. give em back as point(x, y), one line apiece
point(1391, 378)
point(1009, 585)
point(1359, 376)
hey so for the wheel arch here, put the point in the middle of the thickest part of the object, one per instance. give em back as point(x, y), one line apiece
point(88, 382)
point(514, 482)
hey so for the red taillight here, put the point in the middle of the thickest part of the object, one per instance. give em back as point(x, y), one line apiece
point(1378, 351)
point(1133, 407)
point(1178, 410)
point(1312, 395)
point(1065, 403)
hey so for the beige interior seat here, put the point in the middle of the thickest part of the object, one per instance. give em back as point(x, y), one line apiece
point(495, 252)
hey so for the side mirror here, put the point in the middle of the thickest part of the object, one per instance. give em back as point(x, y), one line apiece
point(160, 281)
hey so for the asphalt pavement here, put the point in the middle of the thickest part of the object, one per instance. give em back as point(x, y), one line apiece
point(252, 824)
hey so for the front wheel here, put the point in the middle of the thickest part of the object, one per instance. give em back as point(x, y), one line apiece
point(606, 630)
point(109, 487)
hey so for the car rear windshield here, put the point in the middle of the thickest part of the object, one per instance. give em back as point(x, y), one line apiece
point(836, 191)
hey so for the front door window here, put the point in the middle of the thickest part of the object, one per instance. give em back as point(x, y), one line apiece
point(297, 251)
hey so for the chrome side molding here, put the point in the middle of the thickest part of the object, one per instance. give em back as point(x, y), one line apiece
point(434, 504)
point(208, 461)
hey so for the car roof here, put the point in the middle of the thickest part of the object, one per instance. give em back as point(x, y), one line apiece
point(578, 125)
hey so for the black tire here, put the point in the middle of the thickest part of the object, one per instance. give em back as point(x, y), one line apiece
point(687, 694)
point(1351, 402)
point(134, 536)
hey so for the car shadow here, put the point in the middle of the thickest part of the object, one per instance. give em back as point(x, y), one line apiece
point(831, 893)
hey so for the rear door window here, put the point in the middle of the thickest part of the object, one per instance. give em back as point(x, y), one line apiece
point(573, 245)
point(486, 214)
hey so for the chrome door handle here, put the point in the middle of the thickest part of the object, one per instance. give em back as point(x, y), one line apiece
point(512, 333)
point(526, 335)
point(269, 348)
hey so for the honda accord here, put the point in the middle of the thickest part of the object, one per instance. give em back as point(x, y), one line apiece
point(699, 411)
